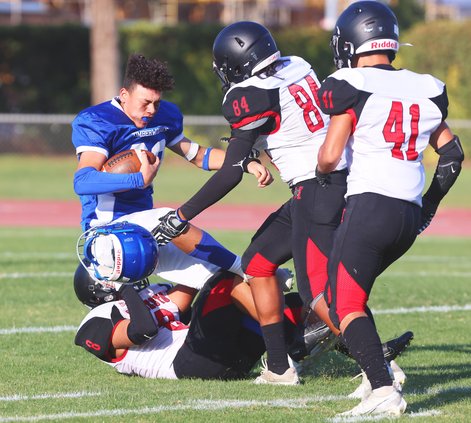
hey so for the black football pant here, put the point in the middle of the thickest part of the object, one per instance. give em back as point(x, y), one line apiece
point(376, 230)
point(222, 342)
point(302, 229)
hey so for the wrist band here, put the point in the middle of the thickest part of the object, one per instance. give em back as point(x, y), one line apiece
point(205, 165)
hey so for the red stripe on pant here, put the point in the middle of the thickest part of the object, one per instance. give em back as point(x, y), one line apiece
point(259, 266)
point(316, 268)
point(219, 296)
point(350, 297)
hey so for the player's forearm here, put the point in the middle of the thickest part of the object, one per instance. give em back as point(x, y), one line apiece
point(220, 184)
point(331, 150)
point(89, 181)
point(447, 171)
point(142, 326)
point(209, 158)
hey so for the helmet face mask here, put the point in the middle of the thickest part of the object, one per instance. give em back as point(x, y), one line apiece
point(121, 252)
point(364, 27)
point(89, 291)
point(241, 50)
point(93, 293)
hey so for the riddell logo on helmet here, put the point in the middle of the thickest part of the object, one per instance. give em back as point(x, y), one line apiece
point(118, 263)
point(386, 44)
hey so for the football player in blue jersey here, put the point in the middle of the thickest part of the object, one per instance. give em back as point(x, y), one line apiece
point(140, 119)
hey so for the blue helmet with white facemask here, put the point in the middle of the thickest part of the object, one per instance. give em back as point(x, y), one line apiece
point(120, 252)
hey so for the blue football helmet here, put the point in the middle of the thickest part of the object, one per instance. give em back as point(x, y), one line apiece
point(120, 252)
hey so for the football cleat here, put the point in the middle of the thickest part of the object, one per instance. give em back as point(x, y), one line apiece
point(391, 349)
point(379, 403)
point(396, 346)
point(316, 339)
point(267, 377)
point(364, 389)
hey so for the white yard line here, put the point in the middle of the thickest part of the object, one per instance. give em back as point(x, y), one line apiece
point(425, 274)
point(204, 405)
point(31, 275)
point(429, 309)
point(16, 256)
point(38, 329)
point(401, 310)
point(196, 405)
point(354, 419)
point(59, 395)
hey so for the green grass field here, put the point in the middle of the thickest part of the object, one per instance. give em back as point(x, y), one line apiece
point(45, 177)
point(44, 377)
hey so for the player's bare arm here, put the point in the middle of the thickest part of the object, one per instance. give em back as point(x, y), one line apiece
point(91, 159)
point(209, 158)
point(331, 150)
point(206, 158)
point(441, 136)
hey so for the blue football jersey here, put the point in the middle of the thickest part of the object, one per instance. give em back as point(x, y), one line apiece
point(106, 129)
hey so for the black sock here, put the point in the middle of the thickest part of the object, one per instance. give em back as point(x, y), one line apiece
point(365, 346)
point(277, 358)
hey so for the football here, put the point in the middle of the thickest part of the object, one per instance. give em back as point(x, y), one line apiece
point(126, 162)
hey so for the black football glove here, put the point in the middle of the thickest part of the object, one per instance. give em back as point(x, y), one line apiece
point(170, 226)
point(428, 211)
point(323, 179)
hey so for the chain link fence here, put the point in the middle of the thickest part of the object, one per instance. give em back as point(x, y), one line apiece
point(38, 134)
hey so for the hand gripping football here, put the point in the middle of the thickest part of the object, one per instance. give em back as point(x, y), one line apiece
point(126, 162)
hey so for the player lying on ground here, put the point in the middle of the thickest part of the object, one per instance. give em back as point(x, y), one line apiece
point(139, 329)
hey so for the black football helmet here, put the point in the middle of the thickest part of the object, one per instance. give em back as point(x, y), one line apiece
point(241, 50)
point(92, 293)
point(363, 27)
point(89, 291)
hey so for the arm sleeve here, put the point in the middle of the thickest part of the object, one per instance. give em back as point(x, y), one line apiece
point(142, 326)
point(223, 181)
point(89, 181)
point(251, 112)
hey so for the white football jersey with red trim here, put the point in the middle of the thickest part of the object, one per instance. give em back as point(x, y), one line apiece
point(288, 97)
point(394, 114)
point(154, 358)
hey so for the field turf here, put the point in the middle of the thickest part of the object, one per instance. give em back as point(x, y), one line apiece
point(44, 377)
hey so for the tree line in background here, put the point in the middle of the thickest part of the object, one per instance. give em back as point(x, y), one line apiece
point(47, 69)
